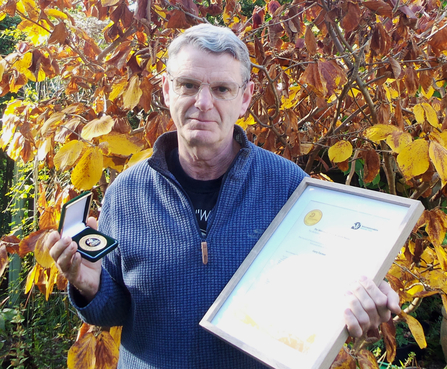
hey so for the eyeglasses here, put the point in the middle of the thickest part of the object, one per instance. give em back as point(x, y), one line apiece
point(185, 86)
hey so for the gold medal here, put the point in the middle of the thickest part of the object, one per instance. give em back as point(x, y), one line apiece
point(93, 242)
point(313, 217)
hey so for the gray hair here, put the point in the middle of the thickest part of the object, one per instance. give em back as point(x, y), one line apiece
point(213, 39)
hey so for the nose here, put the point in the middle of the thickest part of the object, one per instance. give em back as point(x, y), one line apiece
point(204, 98)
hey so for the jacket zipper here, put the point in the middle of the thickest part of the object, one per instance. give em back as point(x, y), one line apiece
point(203, 243)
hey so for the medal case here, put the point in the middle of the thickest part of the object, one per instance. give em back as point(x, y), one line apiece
point(92, 244)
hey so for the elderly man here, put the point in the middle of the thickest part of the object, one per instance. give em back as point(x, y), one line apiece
point(186, 218)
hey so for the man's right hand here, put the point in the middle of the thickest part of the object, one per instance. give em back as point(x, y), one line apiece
point(81, 273)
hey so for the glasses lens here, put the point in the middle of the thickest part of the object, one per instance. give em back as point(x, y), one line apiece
point(190, 87)
point(224, 90)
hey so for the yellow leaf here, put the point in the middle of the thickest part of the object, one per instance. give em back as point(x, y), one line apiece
point(117, 89)
point(398, 141)
point(142, 155)
point(51, 281)
point(415, 289)
point(339, 152)
point(107, 352)
point(438, 156)
point(55, 13)
point(418, 111)
point(41, 253)
point(428, 94)
point(416, 329)
point(244, 123)
point(30, 279)
point(109, 2)
point(380, 132)
point(82, 353)
point(431, 115)
point(159, 10)
point(413, 159)
point(44, 148)
point(68, 154)
point(97, 127)
point(120, 144)
point(23, 63)
point(53, 121)
point(443, 136)
point(287, 103)
point(133, 93)
point(35, 33)
point(88, 171)
point(442, 257)
point(2, 67)
point(115, 332)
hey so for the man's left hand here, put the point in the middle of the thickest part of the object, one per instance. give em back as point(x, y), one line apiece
point(369, 306)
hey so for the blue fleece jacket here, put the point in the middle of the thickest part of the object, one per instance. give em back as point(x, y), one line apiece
point(155, 283)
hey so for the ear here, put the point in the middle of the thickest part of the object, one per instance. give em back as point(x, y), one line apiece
point(165, 87)
point(246, 97)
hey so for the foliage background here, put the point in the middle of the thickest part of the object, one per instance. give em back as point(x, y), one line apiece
point(352, 91)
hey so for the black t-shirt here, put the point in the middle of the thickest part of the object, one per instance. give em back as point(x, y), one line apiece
point(203, 194)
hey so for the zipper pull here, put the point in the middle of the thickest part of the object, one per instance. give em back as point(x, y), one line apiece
point(204, 252)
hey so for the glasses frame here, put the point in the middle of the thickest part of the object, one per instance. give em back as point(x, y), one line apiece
point(172, 78)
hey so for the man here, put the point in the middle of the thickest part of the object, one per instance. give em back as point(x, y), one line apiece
point(171, 265)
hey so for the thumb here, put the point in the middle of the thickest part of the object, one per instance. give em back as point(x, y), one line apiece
point(92, 223)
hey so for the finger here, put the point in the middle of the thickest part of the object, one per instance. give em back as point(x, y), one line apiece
point(377, 304)
point(92, 223)
point(352, 321)
point(65, 259)
point(356, 318)
point(393, 301)
point(51, 239)
point(58, 247)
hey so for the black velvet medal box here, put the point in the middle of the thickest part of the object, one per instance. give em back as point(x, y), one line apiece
point(92, 244)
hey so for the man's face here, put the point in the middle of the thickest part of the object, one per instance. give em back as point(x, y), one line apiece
point(203, 120)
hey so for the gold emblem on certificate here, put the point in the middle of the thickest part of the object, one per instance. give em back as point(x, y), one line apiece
point(313, 217)
point(93, 242)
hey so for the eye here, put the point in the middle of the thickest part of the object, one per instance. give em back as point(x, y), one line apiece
point(188, 85)
point(221, 89)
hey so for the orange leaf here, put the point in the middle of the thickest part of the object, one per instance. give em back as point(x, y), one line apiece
point(59, 34)
point(310, 41)
point(85, 328)
point(343, 360)
point(351, 20)
point(416, 329)
point(389, 337)
point(379, 7)
point(435, 221)
point(312, 76)
point(3, 259)
point(29, 242)
point(82, 354)
point(367, 360)
point(11, 243)
point(372, 165)
point(49, 218)
point(107, 352)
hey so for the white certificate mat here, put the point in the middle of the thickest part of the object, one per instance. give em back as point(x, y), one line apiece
point(284, 305)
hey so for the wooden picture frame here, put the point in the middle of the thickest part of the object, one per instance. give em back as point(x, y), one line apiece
point(284, 305)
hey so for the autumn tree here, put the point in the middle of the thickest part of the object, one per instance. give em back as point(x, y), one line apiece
point(351, 90)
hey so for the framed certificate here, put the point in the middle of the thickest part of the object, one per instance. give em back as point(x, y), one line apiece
point(284, 305)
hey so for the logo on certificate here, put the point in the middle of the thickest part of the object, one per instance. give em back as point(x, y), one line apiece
point(313, 217)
